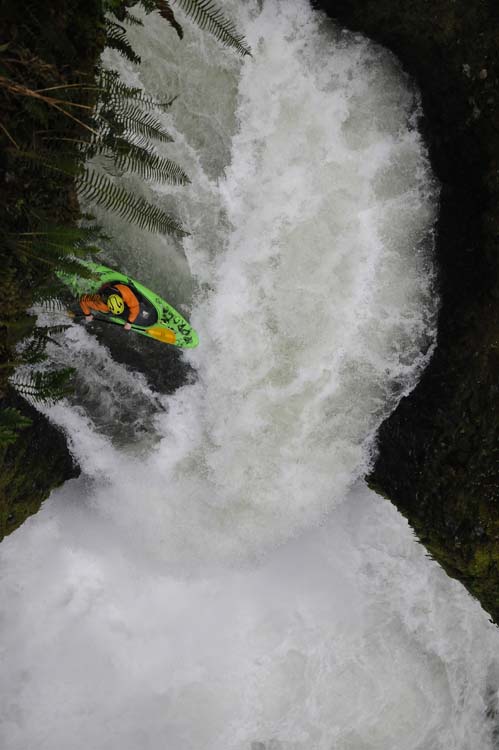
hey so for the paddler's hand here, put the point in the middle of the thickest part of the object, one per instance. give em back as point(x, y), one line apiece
point(128, 326)
point(89, 318)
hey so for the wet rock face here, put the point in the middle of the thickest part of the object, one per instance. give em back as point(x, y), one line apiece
point(31, 467)
point(439, 452)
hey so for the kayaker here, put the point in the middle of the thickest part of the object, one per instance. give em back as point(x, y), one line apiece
point(112, 299)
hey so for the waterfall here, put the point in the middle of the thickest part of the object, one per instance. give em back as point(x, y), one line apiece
point(220, 576)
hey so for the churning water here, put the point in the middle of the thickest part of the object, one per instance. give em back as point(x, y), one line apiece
point(219, 577)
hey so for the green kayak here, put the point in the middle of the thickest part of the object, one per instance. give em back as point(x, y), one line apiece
point(157, 319)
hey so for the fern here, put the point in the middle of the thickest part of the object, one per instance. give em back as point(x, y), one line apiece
point(167, 13)
point(44, 386)
point(53, 249)
point(129, 157)
point(11, 423)
point(33, 348)
point(121, 12)
point(110, 88)
point(131, 19)
point(148, 5)
point(207, 16)
point(151, 166)
point(68, 240)
point(117, 39)
point(59, 247)
point(56, 298)
point(130, 119)
point(113, 89)
point(100, 189)
point(64, 265)
point(49, 298)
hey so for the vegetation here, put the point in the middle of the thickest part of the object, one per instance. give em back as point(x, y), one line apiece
point(77, 118)
point(11, 421)
point(42, 47)
point(60, 108)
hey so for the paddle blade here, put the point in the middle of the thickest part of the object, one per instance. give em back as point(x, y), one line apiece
point(162, 334)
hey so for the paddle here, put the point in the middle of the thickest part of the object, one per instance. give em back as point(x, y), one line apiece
point(156, 332)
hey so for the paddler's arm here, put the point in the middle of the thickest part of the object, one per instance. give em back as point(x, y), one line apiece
point(84, 305)
point(89, 302)
point(131, 302)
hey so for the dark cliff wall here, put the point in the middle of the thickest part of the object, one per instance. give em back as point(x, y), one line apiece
point(439, 452)
point(30, 468)
point(43, 46)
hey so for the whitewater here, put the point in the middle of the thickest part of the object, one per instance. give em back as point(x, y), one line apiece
point(220, 576)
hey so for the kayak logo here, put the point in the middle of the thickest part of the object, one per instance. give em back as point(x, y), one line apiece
point(169, 318)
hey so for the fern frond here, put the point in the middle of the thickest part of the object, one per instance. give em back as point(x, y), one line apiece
point(148, 5)
point(33, 348)
point(111, 88)
point(165, 11)
point(131, 19)
point(49, 300)
point(56, 261)
point(72, 265)
point(64, 236)
point(129, 157)
point(53, 245)
point(100, 189)
point(117, 39)
point(151, 166)
point(44, 386)
point(56, 250)
point(50, 331)
point(11, 423)
point(130, 119)
point(207, 16)
point(113, 91)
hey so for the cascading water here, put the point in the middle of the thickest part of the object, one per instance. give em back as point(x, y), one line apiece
point(219, 576)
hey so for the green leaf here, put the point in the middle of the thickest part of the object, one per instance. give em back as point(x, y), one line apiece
point(113, 90)
point(44, 386)
point(129, 119)
point(129, 157)
point(99, 188)
point(117, 39)
point(207, 16)
point(166, 12)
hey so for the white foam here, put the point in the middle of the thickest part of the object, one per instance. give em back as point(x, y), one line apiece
point(348, 638)
point(319, 300)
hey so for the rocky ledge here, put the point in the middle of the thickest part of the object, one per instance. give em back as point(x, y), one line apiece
point(438, 459)
point(34, 465)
